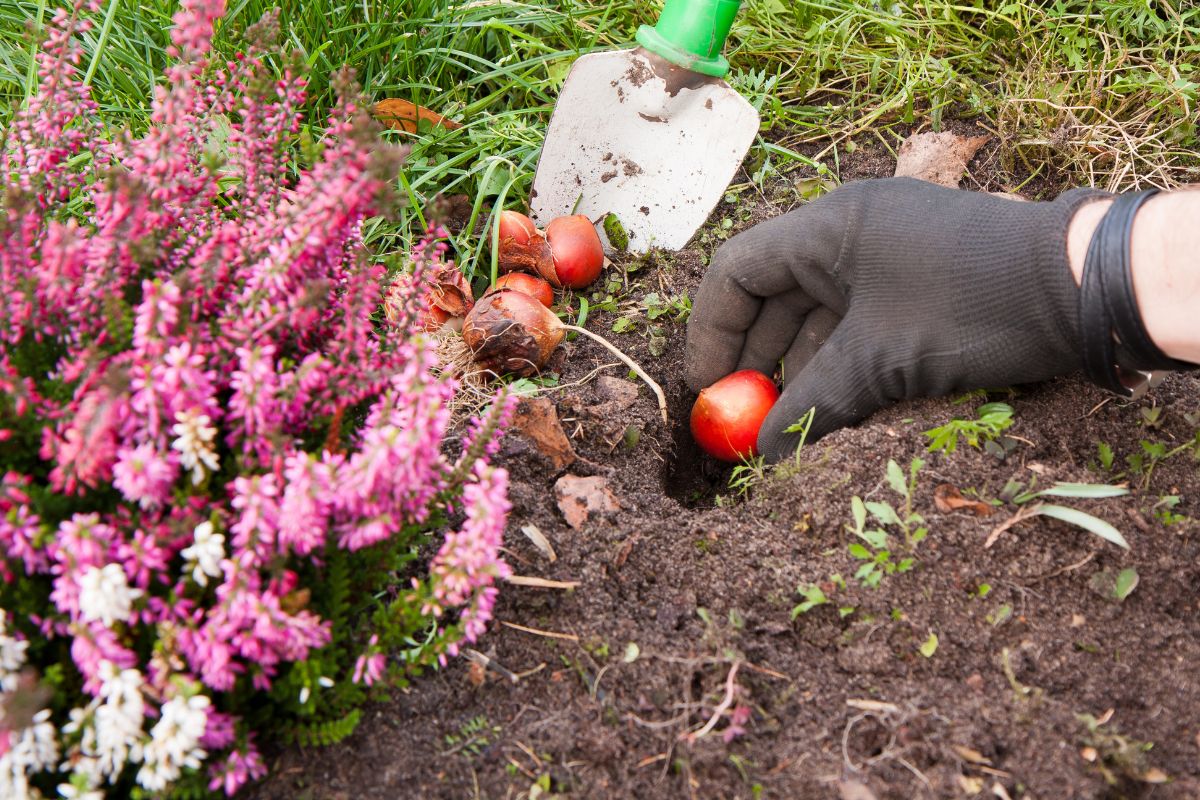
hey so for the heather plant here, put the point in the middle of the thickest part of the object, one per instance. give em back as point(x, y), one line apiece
point(229, 503)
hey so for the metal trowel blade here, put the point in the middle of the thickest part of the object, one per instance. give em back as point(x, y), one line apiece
point(650, 142)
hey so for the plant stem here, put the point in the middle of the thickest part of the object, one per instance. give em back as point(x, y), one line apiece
point(641, 373)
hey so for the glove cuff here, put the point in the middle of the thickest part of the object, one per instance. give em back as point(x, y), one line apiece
point(1118, 353)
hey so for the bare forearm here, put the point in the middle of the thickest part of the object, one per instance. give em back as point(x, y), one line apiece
point(1165, 258)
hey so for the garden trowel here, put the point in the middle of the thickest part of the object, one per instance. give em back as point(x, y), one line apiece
point(651, 134)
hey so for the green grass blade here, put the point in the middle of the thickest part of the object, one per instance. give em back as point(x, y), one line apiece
point(1086, 521)
point(1083, 491)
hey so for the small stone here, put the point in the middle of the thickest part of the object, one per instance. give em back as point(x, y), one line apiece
point(617, 391)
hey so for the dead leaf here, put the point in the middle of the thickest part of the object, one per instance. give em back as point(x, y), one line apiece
point(536, 419)
point(535, 535)
point(1009, 196)
point(947, 498)
point(853, 790)
point(579, 498)
point(401, 115)
point(939, 158)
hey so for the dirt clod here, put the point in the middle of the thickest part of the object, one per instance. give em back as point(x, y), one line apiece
point(579, 499)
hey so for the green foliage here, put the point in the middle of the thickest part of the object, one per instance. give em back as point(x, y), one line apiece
point(813, 597)
point(801, 426)
point(875, 550)
point(993, 420)
point(325, 733)
point(1032, 505)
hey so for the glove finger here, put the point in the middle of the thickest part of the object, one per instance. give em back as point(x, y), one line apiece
point(818, 327)
point(835, 383)
point(779, 321)
point(795, 250)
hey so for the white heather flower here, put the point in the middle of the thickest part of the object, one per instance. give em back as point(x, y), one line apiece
point(195, 443)
point(72, 792)
point(205, 554)
point(117, 729)
point(12, 655)
point(105, 594)
point(174, 742)
point(31, 750)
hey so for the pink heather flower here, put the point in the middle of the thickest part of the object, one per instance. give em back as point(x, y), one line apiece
point(254, 343)
point(157, 315)
point(257, 526)
point(369, 667)
point(194, 25)
point(92, 645)
point(240, 767)
point(304, 510)
point(465, 569)
point(85, 449)
point(737, 722)
point(144, 476)
point(255, 387)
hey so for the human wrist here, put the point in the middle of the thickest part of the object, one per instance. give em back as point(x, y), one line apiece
point(1164, 248)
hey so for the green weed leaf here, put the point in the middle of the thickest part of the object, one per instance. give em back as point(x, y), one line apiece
point(1127, 581)
point(929, 646)
point(895, 477)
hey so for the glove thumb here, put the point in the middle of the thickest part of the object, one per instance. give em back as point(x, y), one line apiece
point(837, 382)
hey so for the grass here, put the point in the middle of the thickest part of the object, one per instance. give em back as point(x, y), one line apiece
point(1086, 91)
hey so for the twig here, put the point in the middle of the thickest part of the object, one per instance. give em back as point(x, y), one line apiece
point(1025, 513)
point(540, 583)
point(489, 663)
point(570, 637)
point(629, 362)
point(719, 711)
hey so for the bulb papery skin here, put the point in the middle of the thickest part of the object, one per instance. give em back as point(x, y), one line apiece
point(523, 248)
point(510, 332)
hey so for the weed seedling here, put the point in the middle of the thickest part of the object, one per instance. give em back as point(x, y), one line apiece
point(876, 554)
point(994, 419)
point(813, 597)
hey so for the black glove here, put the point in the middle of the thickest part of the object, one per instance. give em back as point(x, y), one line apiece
point(885, 290)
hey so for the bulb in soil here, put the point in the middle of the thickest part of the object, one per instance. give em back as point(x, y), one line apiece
point(533, 286)
point(522, 247)
point(575, 250)
point(728, 415)
point(510, 332)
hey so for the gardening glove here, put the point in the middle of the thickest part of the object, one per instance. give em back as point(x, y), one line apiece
point(889, 289)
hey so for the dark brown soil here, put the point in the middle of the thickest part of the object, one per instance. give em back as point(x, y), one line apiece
point(688, 590)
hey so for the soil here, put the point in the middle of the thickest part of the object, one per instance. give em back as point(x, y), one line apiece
point(681, 628)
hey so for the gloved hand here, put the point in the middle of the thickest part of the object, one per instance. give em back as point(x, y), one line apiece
point(889, 289)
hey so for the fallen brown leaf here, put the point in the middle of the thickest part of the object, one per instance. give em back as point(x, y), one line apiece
point(939, 158)
point(401, 115)
point(579, 498)
point(947, 498)
point(536, 419)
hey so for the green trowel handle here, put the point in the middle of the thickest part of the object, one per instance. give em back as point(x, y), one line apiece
point(691, 33)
